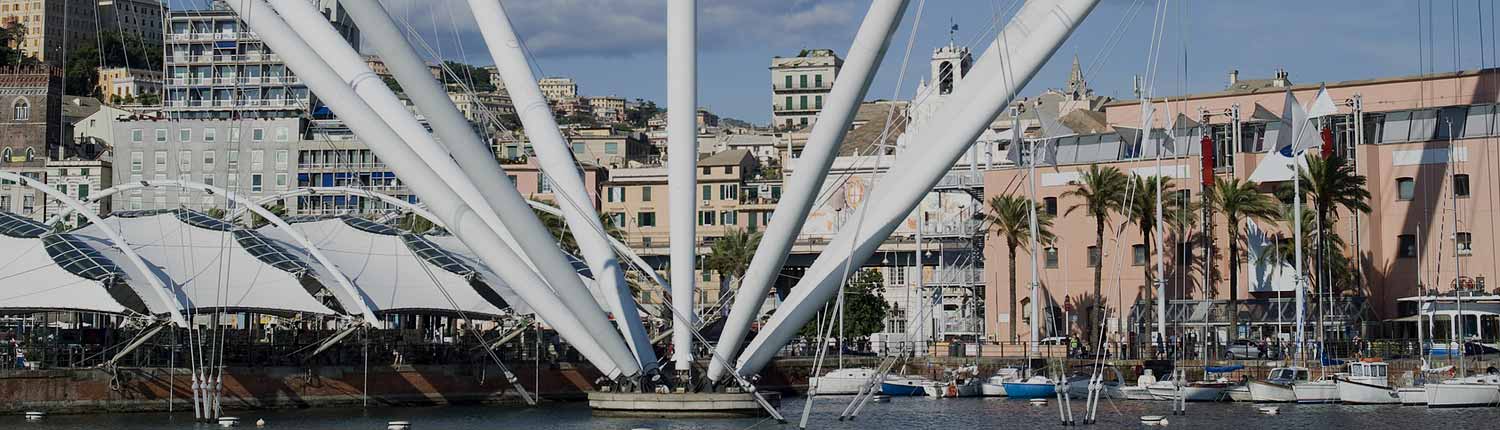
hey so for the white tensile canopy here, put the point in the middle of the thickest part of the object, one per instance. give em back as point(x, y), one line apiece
point(44, 270)
point(397, 271)
point(211, 264)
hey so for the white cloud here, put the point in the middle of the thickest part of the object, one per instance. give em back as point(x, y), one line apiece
point(624, 28)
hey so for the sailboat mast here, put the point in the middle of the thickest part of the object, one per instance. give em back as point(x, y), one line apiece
point(1458, 273)
point(1297, 248)
point(1035, 239)
point(1161, 271)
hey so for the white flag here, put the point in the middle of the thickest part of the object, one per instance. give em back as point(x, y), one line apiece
point(1322, 105)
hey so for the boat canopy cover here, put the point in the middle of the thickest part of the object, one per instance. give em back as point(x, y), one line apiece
point(385, 266)
point(44, 270)
point(209, 263)
point(1223, 369)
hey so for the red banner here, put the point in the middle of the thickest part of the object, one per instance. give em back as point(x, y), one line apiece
point(1327, 142)
point(1208, 160)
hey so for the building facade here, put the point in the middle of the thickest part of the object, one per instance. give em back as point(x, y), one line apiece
point(799, 84)
point(555, 89)
point(251, 157)
point(30, 131)
point(216, 68)
point(53, 27)
point(139, 18)
point(123, 86)
point(78, 179)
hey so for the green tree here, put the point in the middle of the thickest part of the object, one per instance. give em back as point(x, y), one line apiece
point(1239, 200)
point(415, 223)
point(730, 255)
point(1142, 213)
point(256, 221)
point(477, 78)
point(642, 112)
point(865, 309)
point(1102, 191)
point(1329, 184)
point(11, 37)
point(115, 49)
point(1009, 217)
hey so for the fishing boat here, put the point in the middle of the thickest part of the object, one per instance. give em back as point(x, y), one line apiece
point(1036, 387)
point(1278, 387)
point(842, 381)
point(995, 386)
point(1368, 383)
point(904, 386)
point(1141, 390)
point(1472, 391)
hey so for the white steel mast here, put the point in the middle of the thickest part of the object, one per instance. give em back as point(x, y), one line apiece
point(853, 81)
point(1031, 37)
point(682, 179)
point(432, 174)
point(555, 156)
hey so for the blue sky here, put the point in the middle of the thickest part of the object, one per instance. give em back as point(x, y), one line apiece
point(617, 47)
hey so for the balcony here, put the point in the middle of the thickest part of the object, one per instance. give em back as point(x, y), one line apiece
point(798, 88)
point(748, 202)
point(960, 181)
point(957, 228)
point(343, 167)
point(955, 276)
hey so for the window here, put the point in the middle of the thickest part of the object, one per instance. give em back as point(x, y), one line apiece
point(232, 159)
point(788, 82)
point(614, 194)
point(708, 170)
point(257, 134)
point(728, 191)
point(1094, 256)
point(706, 217)
point(803, 100)
point(1051, 253)
point(137, 135)
point(161, 135)
point(1406, 188)
point(257, 160)
point(184, 161)
point(543, 185)
point(282, 134)
point(210, 134)
point(1406, 246)
point(645, 219)
point(255, 183)
point(234, 134)
point(646, 193)
point(578, 148)
point(136, 159)
point(818, 102)
point(728, 218)
point(898, 275)
point(208, 161)
point(281, 159)
point(1050, 205)
point(185, 135)
point(208, 180)
point(617, 219)
point(803, 80)
point(159, 161)
point(708, 192)
point(818, 79)
point(232, 181)
point(611, 147)
point(788, 105)
point(1465, 243)
point(1138, 255)
point(22, 110)
point(708, 276)
point(1461, 185)
point(83, 192)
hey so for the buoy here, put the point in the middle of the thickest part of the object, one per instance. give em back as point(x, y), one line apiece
point(260, 422)
point(1154, 420)
point(882, 398)
point(229, 421)
point(1270, 410)
point(398, 425)
point(35, 416)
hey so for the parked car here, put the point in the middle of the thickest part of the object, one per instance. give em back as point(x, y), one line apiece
point(1243, 349)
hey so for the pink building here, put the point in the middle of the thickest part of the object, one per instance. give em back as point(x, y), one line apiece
point(1408, 240)
point(529, 180)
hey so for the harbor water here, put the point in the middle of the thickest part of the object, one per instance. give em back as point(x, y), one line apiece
point(901, 413)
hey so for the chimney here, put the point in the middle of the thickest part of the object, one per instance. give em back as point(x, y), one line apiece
point(1282, 78)
point(1234, 77)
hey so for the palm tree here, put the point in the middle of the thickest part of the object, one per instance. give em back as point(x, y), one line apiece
point(1142, 212)
point(1239, 200)
point(1010, 217)
point(730, 255)
point(1102, 191)
point(1330, 183)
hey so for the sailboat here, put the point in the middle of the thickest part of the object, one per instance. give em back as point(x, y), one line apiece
point(995, 385)
point(1464, 390)
point(842, 381)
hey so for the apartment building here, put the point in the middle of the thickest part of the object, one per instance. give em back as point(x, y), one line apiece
point(799, 84)
point(252, 157)
point(53, 27)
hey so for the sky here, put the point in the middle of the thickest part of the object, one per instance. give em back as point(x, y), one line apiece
point(617, 47)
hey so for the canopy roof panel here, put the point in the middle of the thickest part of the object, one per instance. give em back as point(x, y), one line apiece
point(208, 264)
point(391, 274)
point(31, 277)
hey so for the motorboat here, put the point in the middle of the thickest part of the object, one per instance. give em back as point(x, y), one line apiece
point(1278, 387)
point(1197, 391)
point(1481, 390)
point(1238, 393)
point(843, 381)
point(957, 387)
point(1113, 383)
point(905, 386)
point(1368, 383)
point(1036, 387)
point(1323, 390)
point(995, 386)
point(1141, 390)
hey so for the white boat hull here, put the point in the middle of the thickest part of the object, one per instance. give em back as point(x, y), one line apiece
point(1412, 396)
point(1167, 391)
point(1136, 393)
point(1266, 392)
point(1366, 394)
point(1316, 392)
point(943, 390)
point(1238, 393)
point(843, 382)
point(1462, 394)
point(992, 390)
